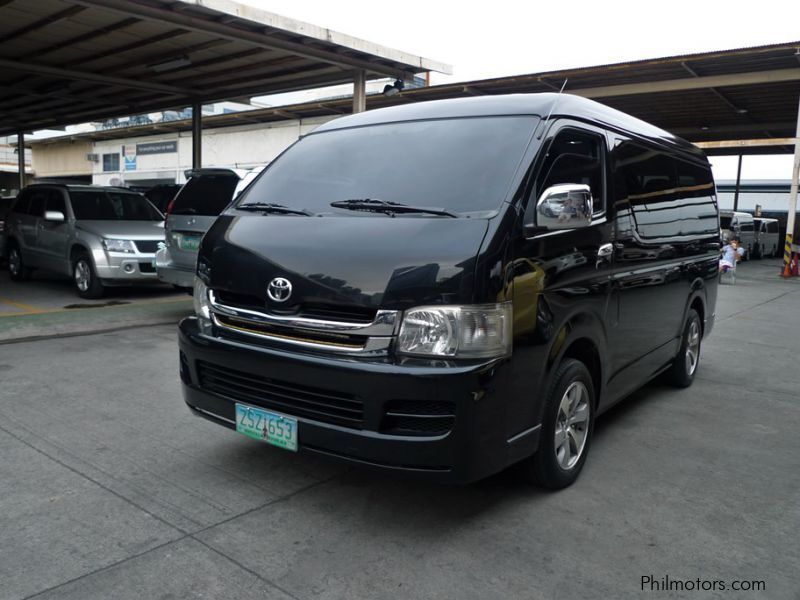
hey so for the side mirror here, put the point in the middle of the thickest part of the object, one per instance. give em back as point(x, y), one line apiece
point(54, 215)
point(565, 206)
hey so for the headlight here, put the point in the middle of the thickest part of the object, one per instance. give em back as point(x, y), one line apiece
point(200, 298)
point(476, 331)
point(125, 246)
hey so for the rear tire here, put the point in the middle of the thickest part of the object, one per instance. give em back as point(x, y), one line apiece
point(566, 428)
point(687, 361)
point(87, 284)
point(16, 267)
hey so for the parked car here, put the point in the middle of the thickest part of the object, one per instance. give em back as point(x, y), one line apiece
point(162, 194)
point(100, 236)
point(403, 289)
point(767, 237)
point(204, 196)
point(740, 225)
point(5, 207)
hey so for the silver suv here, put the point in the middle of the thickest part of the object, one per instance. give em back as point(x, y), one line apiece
point(204, 196)
point(100, 236)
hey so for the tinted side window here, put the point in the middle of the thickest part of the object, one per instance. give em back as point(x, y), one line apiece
point(695, 188)
point(55, 201)
point(207, 195)
point(574, 157)
point(746, 226)
point(646, 180)
point(772, 227)
point(38, 200)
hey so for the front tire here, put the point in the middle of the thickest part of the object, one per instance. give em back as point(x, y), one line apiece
point(87, 284)
point(566, 428)
point(16, 267)
point(684, 368)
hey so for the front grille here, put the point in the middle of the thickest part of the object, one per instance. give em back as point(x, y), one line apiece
point(333, 340)
point(319, 311)
point(418, 417)
point(289, 398)
point(146, 267)
point(147, 246)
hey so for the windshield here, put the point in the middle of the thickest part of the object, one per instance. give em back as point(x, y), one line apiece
point(108, 205)
point(463, 165)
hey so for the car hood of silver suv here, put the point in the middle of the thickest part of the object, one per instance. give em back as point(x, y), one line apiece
point(124, 230)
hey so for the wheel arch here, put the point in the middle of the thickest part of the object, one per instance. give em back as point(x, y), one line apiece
point(582, 338)
point(697, 301)
point(76, 249)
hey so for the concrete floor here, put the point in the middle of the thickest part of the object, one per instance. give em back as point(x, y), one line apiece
point(109, 488)
point(48, 305)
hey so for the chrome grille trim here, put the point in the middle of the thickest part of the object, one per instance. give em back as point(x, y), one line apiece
point(384, 324)
point(377, 336)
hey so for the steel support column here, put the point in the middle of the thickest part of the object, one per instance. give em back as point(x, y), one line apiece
point(359, 91)
point(197, 136)
point(787, 246)
point(21, 158)
point(738, 183)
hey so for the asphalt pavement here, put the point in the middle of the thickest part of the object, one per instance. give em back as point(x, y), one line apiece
point(110, 488)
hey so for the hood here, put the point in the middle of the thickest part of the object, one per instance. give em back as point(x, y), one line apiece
point(365, 262)
point(124, 230)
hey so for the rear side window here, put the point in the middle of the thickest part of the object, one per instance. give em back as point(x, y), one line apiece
point(206, 195)
point(696, 189)
point(772, 227)
point(668, 197)
point(746, 226)
point(22, 203)
point(725, 222)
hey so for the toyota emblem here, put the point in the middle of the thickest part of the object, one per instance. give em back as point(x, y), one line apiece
point(279, 289)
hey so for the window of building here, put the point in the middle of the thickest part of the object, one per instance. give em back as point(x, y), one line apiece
point(111, 162)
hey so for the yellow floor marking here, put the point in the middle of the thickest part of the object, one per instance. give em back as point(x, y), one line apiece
point(26, 308)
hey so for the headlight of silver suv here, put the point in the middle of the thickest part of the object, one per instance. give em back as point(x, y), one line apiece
point(471, 331)
point(125, 246)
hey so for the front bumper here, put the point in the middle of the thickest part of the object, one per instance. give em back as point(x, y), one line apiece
point(474, 447)
point(124, 268)
point(170, 272)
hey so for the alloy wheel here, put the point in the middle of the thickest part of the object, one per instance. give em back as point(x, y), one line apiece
point(572, 425)
point(14, 262)
point(83, 275)
point(692, 347)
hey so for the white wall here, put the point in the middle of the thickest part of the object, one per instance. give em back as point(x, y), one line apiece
point(243, 146)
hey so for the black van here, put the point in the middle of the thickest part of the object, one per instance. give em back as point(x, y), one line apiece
point(450, 287)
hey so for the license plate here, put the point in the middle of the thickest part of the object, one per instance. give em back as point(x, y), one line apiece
point(273, 428)
point(189, 242)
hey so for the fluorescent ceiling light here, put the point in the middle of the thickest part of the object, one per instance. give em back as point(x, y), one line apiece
point(168, 65)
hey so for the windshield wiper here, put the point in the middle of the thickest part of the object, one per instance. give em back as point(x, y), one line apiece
point(268, 207)
point(376, 205)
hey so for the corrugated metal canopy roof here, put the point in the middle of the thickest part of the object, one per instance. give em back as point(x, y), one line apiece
point(71, 61)
point(739, 94)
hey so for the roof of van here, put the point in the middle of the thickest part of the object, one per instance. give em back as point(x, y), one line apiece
point(567, 105)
